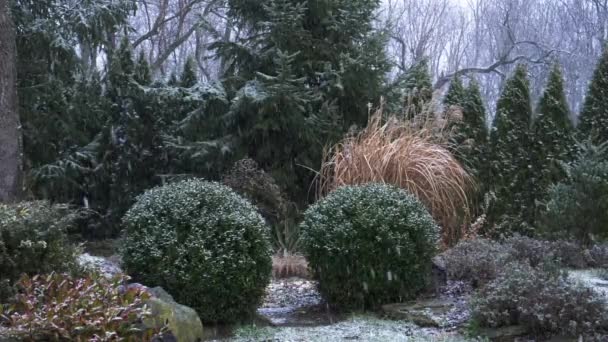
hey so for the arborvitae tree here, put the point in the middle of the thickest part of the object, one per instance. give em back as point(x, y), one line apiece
point(475, 130)
point(189, 76)
point(142, 70)
point(172, 81)
point(338, 61)
point(510, 170)
point(594, 116)
point(456, 93)
point(553, 135)
point(416, 89)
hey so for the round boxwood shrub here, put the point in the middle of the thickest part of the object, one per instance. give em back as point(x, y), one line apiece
point(203, 243)
point(369, 245)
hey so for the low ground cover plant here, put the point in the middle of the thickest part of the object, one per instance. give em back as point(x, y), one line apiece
point(59, 307)
point(544, 300)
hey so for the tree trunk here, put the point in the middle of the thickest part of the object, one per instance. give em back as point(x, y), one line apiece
point(10, 128)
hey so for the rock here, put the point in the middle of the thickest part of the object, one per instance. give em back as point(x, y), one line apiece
point(108, 267)
point(424, 313)
point(504, 334)
point(182, 321)
point(439, 276)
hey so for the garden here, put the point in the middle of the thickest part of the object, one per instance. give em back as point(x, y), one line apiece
point(304, 195)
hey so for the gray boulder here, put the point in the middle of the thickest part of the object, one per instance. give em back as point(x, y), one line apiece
point(183, 322)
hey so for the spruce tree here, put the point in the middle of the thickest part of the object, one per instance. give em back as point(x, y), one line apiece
point(142, 70)
point(338, 61)
point(594, 116)
point(510, 170)
point(189, 76)
point(552, 134)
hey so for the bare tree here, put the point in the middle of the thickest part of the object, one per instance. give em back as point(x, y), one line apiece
point(10, 128)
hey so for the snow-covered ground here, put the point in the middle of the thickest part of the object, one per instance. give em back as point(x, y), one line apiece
point(355, 328)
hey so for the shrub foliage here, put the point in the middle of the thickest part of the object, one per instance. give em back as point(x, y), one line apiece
point(543, 299)
point(33, 240)
point(204, 244)
point(58, 307)
point(578, 206)
point(369, 245)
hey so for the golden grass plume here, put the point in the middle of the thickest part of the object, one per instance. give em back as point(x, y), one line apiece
point(411, 154)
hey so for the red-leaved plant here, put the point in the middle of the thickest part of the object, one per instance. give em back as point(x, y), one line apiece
point(59, 307)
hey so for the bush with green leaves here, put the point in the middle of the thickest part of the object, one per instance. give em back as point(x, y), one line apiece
point(544, 300)
point(477, 261)
point(203, 243)
point(578, 206)
point(33, 240)
point(369, 245)
point(58, 307)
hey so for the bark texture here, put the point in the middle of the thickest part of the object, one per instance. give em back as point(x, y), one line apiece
point(10, 127)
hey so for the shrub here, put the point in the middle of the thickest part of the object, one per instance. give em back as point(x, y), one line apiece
point(248, 180)
point(58, 307)
point(369, 245)
point(569, 254)
point(204, 244)
point(542, 299)
point(478, 261)
point(535, 252)
point(33, 240)
point(532, 251)
point(409, 157)
point(598, 256)
point(578, 207)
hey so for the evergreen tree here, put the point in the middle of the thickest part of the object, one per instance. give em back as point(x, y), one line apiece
point(142, 70)
point(172, 81)
point(416, 89)
point(510, 170)
point(189, 76)
point(553, 135)
point(475, 130)
point(594, 116)
point(456, 93)
point(469, 136)
point(336, 66)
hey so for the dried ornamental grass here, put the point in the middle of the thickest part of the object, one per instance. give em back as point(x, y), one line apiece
point(410, 155)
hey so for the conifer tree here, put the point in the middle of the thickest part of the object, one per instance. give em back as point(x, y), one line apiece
point(510, 170)
point(172, 81)
point(338, 61)
point(417, 89)
point(475, 131)
point(142, 70)
point(456, 93)
point(594, 116)
point(552, 134)
point(122, 69)
point(189, 76)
